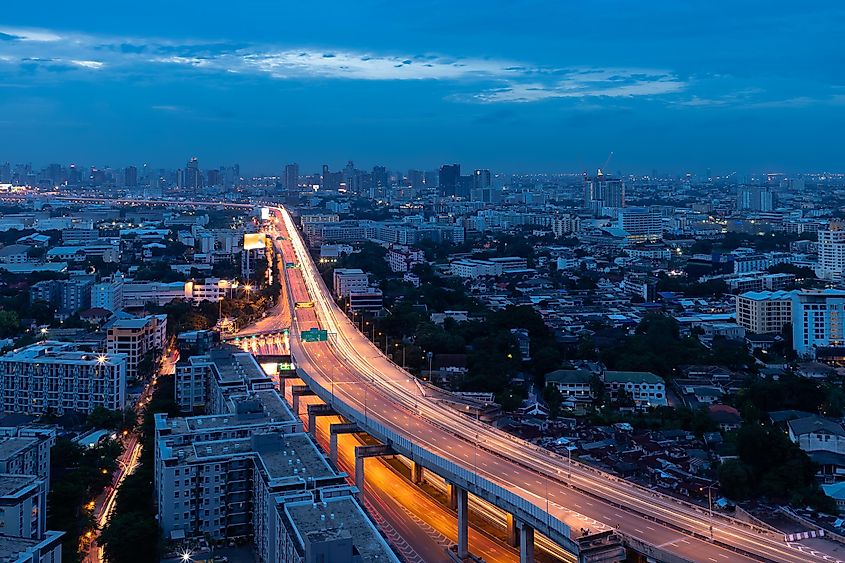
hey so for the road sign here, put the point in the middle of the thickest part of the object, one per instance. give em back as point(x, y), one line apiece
point(314, 335)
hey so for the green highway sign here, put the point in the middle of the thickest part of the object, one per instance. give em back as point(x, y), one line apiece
point(314, 335)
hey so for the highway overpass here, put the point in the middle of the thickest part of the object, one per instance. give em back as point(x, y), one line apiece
point(544, 492)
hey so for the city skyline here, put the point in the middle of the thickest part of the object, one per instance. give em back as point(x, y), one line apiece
point(525, 87)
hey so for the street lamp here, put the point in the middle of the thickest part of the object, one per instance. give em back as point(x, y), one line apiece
point(710, 504)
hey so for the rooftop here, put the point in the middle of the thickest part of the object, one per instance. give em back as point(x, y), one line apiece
point(337, 518)
point(632, 377)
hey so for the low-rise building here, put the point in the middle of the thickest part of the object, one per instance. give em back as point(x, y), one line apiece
point(644, 388)
point(575, 385)
point(349, 280)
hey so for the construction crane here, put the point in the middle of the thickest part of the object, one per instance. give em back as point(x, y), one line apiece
point(606, 163)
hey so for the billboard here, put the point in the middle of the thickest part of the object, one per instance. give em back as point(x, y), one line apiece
point(254, 241)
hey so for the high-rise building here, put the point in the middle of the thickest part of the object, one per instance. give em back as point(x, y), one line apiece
point(755, 198)
point(108, 294)
point(831, 264)
point(193, 176)
point(481, 179)
point(379, 181)
point(416, 178)
point(602, 192)
point(448, 179)
point(818, 321)
point(130, 177)
point(291, 177)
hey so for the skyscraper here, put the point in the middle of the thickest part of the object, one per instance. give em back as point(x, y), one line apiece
point(193, 176)
point(602, 191)
point(449, 174)
point(130, 177)
point(481, 179)
point(291, 177)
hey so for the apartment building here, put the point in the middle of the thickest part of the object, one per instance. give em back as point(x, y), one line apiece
point(134, 338)
point(139, 293)
point(404, 258)
point(58, 377)
point(764, 312)
point(831, 249)
point(108, 294)
point(818, 321)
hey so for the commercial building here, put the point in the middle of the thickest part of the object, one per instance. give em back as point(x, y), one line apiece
point(641, 223)
point(349, 280)
point(58, 377)
point(763, 312)
point(134, 338)
point(140, 293)
point(371, 300)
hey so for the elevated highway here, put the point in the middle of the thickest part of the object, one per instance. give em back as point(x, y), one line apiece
point(574, 505)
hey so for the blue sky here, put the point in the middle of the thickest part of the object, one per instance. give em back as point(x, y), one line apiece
point(508, 85)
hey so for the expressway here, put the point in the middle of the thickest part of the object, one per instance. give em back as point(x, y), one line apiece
point(350, 368)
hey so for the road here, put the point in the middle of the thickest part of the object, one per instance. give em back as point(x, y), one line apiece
point(126, 463)
point(416, 525)
point(351, 368)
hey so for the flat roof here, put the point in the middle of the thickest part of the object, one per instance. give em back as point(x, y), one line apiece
point(337, 518)
point(11, 446)
point(12, 484)
point(291, 455)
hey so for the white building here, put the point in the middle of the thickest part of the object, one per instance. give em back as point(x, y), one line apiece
point(108, 294)
point(641, 223)
point(349, 280)
point(404, 258)
point(831, 252)
point(563, 225)
point(209, 289)
point(814, 434)
point(139, 293)
point(763, 312)
point(469, 268)
point(58, 377)
point(818, 320)
point(644, 388)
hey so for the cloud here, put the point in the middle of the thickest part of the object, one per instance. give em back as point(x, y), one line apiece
point(488, 80)
point(588, 83)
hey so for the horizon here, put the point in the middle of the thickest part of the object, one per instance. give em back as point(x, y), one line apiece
point(516, 86)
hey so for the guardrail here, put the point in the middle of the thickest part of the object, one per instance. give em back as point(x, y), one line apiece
point(522, 509)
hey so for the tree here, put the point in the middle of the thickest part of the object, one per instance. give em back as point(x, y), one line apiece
point(554, 400)
point(735, 479)
point(131, 538)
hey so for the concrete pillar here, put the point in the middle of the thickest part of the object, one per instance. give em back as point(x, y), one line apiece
point(453, 496)
point(359, 475)
point(296, 392)
point(512, 531)
point(315, 411)
point(463, 523)
point(526, 544)
point(334, 430)
point(416, 473)
point(333, 448)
